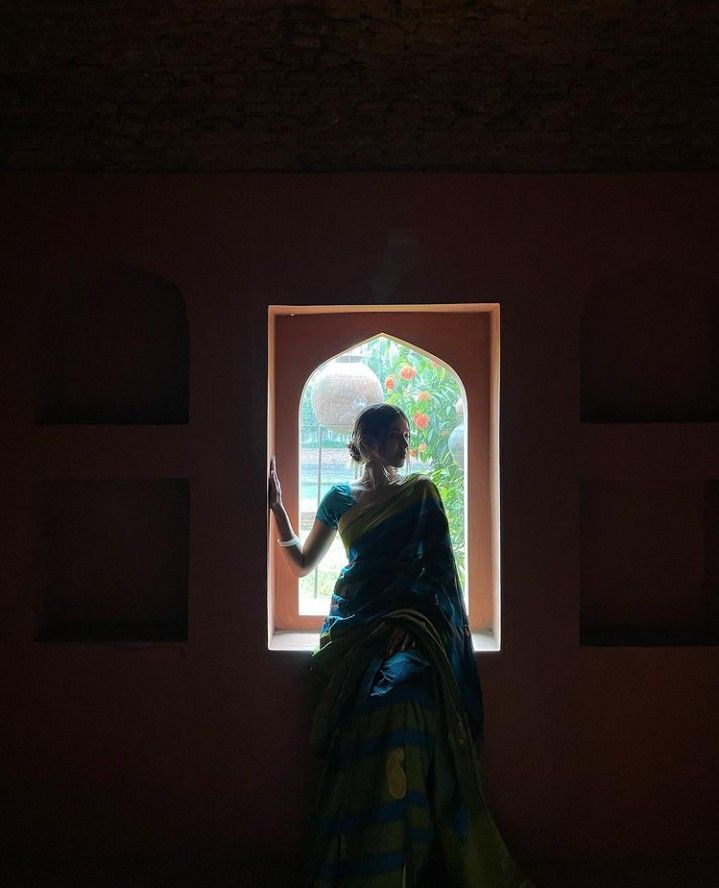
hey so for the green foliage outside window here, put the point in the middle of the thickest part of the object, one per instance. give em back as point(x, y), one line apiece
point(427, 392)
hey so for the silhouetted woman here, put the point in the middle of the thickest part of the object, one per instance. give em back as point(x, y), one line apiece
point(399, 723)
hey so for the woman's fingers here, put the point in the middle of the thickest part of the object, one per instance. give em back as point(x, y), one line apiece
point(274, 491)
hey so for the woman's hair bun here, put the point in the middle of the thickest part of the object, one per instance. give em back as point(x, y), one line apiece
point(354, 451)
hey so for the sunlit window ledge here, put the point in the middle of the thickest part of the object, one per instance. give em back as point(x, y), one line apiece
point(307, 641)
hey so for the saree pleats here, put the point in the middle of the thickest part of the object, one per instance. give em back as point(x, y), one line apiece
point(400, 800)
point(375, 817)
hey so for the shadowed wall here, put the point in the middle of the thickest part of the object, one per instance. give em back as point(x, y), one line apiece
point(194, 742)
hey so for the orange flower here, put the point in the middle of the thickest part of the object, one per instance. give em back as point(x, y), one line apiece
point(422, 447)
point(407, 371)
point(421, 420)
point(389, 383)
point(413, 451)
point(423, 396)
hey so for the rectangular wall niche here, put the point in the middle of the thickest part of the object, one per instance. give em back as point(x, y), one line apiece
point(113, 560)
point(649, 562)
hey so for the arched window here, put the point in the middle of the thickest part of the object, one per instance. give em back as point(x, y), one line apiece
point(440, 363)
point(432, 396)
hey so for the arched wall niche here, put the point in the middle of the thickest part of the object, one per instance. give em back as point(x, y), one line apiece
point(650, 346)
point(114, 349)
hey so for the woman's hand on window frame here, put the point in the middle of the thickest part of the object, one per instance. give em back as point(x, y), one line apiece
point(274, 488)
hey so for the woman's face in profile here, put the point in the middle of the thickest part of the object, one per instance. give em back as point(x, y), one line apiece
point(393, 451)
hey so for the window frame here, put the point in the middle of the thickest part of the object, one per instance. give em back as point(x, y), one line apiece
point(335, 329)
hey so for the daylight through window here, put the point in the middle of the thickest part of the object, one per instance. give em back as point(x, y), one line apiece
point(432, 396)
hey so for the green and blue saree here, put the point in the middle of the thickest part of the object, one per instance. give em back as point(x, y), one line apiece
point(401, 795)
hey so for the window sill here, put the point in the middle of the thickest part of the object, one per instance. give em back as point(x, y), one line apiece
point(484, 642)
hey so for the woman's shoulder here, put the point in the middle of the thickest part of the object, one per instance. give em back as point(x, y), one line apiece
point(421, 481)
point(424, 488)
point(341, 496)
point(341, 490)
point(337, 499)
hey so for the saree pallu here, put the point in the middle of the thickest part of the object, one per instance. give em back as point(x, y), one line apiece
point(401, 794)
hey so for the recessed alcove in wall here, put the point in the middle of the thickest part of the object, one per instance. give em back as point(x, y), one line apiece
point(112, 559)
point(650, 347)
point(114, 350)
point(649, 562)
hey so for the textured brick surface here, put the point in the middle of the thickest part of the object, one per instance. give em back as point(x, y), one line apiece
point(522, 86)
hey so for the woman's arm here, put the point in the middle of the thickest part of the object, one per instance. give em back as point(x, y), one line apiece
point(302, 559)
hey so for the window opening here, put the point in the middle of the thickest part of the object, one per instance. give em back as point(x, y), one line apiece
point(430, 393)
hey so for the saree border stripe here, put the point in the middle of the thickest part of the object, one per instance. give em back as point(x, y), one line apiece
point(375, 814)
point(398, 737)
point(363, 519)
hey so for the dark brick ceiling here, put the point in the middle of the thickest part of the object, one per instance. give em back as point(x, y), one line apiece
point(347, 85)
